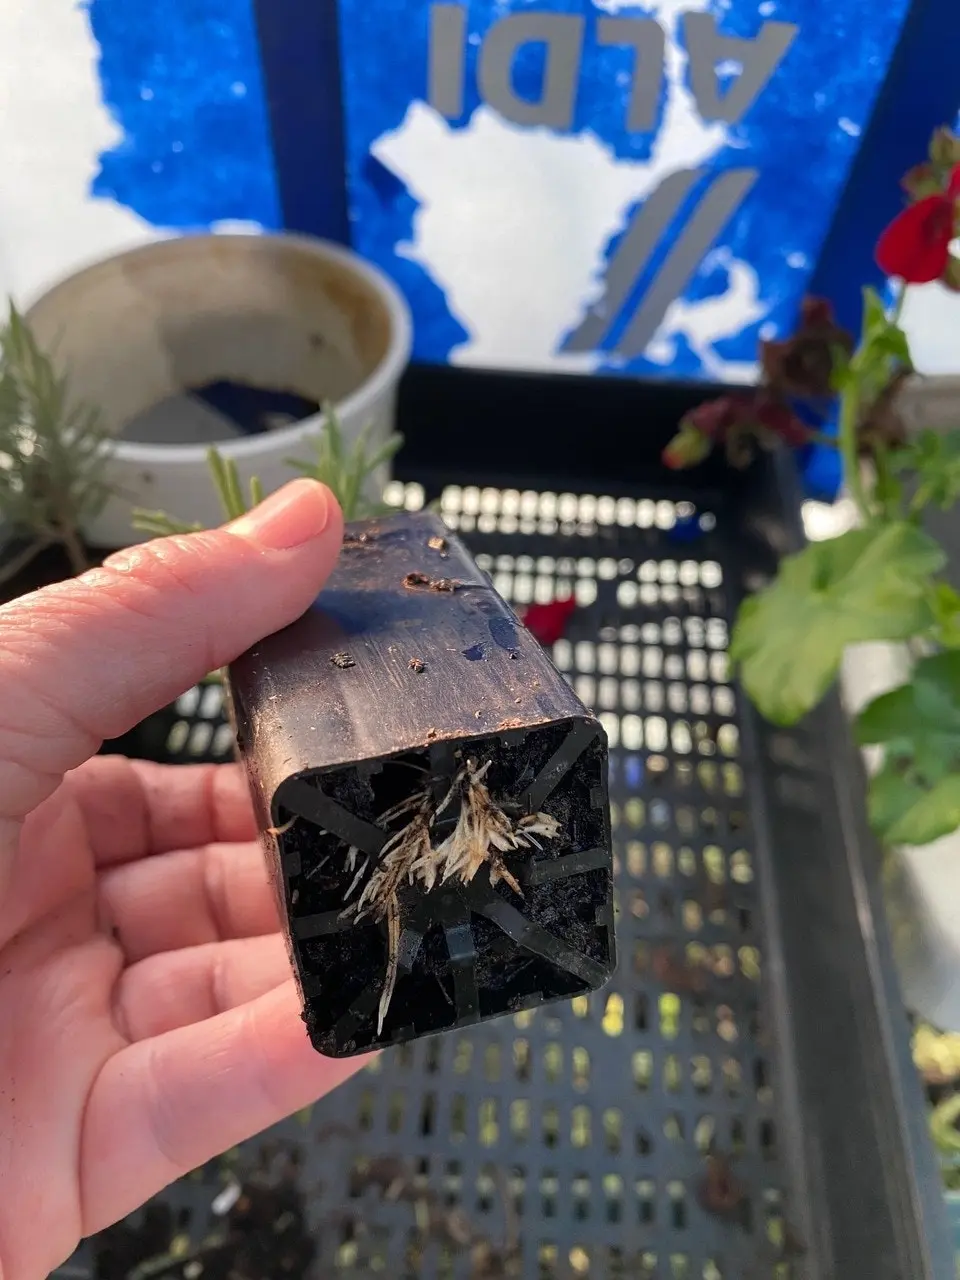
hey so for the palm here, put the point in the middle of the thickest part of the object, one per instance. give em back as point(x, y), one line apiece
point(137, 915)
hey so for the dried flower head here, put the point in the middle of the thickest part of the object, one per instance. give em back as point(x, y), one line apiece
point(803, 364)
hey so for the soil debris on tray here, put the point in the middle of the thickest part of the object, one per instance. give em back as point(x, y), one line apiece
point(677, 974)
point(343, 661)
point(436, 543)
point(414, 580)
point(396, 1182)
point(721, 1193)
point(259, 1229)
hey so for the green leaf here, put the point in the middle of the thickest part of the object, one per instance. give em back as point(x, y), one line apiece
point(868, 584)
point(915, 797)
point(159, 525)
point(892, 344)
point(345, 471)
point(841, 374)
point(935, 458)
point(943, 1125)
point(944, 148)
point(904, 811)
point(887, 490)
point(945, 602)
point(921, 181)
point(874, 314)
point(887, 718)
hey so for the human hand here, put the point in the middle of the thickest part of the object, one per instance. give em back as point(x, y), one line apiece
point(148, 1018)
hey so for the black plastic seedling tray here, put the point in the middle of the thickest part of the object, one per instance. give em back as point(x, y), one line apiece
point(738, 1102)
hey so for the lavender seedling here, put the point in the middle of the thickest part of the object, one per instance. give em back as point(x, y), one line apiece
point(344, 472)
point(51, 452)
point(227, 483)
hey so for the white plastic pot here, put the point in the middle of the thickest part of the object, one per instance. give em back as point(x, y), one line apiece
point(278, 312)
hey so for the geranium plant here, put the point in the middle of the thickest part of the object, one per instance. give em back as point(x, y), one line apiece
point(881, 580)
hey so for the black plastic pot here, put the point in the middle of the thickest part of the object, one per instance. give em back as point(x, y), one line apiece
point(408, 672)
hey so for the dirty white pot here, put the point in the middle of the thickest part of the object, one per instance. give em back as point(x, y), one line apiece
point(281, 313)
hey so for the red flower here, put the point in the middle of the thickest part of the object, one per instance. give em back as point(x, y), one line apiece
point(916, 245)
point(547, 622)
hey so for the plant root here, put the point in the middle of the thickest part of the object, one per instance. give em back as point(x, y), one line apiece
point(282, 831)
point(393, 961)
point(482, 835)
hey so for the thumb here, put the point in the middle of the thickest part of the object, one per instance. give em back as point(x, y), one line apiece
point(89, 658)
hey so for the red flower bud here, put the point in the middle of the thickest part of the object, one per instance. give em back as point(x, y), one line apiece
point(688, 447)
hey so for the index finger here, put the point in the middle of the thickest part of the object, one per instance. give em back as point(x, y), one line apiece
point(135, 808)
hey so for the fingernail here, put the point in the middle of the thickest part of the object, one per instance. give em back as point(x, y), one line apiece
point(288, 518)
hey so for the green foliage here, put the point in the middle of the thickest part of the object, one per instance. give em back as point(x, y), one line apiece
point(934, 458)
point(223, 472)
point(51, 450)
point(936, 1055)
point(882, 337)
point(883, 351)
point(915, 798)
point(343, 470)
point(868, 584)
point(943, 1126)
point(878, 582)
point(945, 604)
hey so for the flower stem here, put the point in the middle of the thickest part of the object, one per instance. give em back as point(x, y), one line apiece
point(883, 488)
point(897, 309)
point(849, 418)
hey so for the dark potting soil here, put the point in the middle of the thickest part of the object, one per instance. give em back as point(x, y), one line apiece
point(218, 410)
point(477, 950)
